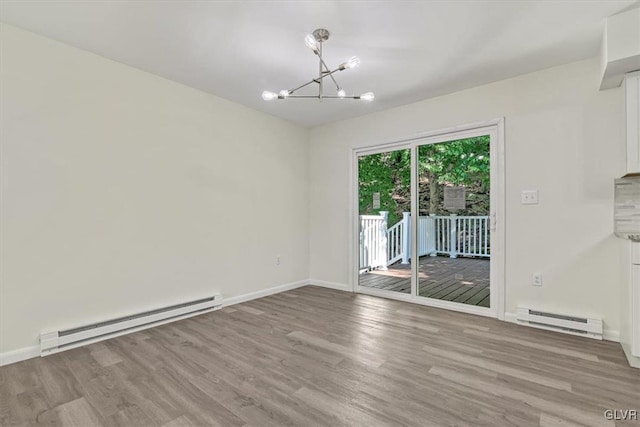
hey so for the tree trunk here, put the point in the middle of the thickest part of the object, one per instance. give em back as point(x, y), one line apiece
point(433, 193)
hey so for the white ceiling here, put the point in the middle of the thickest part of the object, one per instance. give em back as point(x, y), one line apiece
point(410, 50)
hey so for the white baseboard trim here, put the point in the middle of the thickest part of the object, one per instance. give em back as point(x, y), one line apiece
point(607, 334)
point(330, 285)
point(264, 293)
point(19, 355)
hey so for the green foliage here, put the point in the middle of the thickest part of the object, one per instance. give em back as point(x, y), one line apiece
point(388, 174)
point(463, 162)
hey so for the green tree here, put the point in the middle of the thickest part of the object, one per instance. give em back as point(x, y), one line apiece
point(461, 163)
point(465, 163)
point(390, 175)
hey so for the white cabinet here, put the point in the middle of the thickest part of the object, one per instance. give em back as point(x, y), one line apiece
point(634, 300)
point(632, 93)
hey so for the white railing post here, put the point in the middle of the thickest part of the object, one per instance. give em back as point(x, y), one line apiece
point(383, 254)
point(361, 243)
point(453, 236)
point(432, 233)
point(406, 237)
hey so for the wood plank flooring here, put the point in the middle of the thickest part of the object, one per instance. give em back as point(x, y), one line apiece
point(463, 280)
point(320, 357)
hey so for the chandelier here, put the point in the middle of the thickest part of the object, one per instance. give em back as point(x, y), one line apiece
point(314, 42)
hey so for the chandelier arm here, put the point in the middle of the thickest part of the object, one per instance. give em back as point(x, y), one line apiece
point(303, 85)
point(316, 97)
point(342, 97)
point(330, 74)
point(316, 80)
point(320, 72)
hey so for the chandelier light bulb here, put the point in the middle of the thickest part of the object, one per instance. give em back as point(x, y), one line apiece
point(284, 93)
point(369, 96)
point(341, 93)
point(268, 96)
point(353, 62)
point(311, 42)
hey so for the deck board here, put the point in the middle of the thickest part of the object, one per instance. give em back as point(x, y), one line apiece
point(463, 280)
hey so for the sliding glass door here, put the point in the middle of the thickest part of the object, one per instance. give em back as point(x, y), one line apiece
point(426, 221)
point(384, 194)
point(454, 244)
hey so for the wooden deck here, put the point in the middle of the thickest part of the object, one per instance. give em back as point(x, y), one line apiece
point(464, 280)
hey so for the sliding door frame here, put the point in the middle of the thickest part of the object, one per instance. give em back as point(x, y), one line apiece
point(494, 128)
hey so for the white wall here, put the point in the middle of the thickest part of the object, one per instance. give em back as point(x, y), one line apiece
point(123, 191)
point(563, 137)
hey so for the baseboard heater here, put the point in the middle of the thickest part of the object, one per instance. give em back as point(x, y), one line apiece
point(57, 341)
point(581, 326)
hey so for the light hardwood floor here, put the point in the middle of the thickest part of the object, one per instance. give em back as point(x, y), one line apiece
point(315, 356)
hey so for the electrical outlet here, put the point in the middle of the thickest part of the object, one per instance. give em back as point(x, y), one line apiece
point(536, 279)
point(529, 197)
point(277, 259)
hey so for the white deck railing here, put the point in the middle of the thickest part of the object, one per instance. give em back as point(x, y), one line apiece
point(451, 235)
point(471, 235)
point(373, 241)
point(395, 243)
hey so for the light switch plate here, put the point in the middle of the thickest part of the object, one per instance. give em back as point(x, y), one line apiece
point(529, 197)
point(376, 200)
point(536, 279)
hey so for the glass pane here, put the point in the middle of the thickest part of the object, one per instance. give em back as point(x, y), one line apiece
point(384, 196)
point(453, 226)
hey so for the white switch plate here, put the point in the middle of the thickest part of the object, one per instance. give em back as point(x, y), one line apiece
point(376, 200)
point(536, 279)
point(529, 197)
